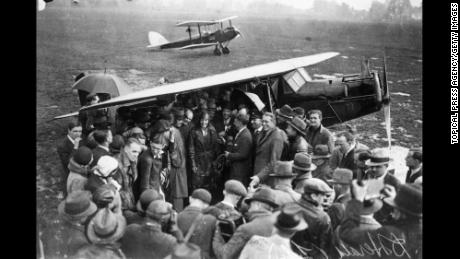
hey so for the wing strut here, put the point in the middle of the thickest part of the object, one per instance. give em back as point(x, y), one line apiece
point(332, 108)
point(199, 31)
point(269, 97)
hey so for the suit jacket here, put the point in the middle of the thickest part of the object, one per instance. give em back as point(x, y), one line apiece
point(178, 173)
point(240, 157)
point(147, 241)
point(98, 152)
point(65, 151)
point(261, 224)
point(410, 178)
point(204, 231)
point(268, 150)
point(349, 162)
point(322, 136)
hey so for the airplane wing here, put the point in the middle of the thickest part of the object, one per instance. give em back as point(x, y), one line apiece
point(236, 76)
point(66, 115)
point(195, 23)
point(197, 46)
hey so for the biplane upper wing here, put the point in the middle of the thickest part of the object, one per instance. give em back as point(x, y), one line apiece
point(235, 76)
point(195, 23)
point(201, 45)
point(226, 19)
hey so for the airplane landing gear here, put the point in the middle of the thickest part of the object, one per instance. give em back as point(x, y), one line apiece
point(217, 51)
point(225, 50)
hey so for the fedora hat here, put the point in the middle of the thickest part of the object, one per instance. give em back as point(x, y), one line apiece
point(285, 111)
point(371, 206)
point(282, 169)
point(77, 206)
point(320, 152)
point(265, 195)
point(146, 198)
point(379, 156)
point(302, 162)
point(105, 227)
point(408, 199)
point(341, 176)
point(289, 218)
point(298, 124)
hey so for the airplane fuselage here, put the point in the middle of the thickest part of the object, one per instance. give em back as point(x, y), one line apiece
point(219, 36)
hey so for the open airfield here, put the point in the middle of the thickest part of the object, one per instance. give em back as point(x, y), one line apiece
point(73, 40)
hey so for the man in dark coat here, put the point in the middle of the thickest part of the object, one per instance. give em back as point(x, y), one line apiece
point(127, 166)
point(282, 177)
point(317, 238)
point(240, 157)
point(67, 148)
point(317, 134)
point(147, 240)
point(261, 220)
point(67, 234)
point(103, 139)
point(295, 131)
point(150, 165)
point(347, 144)
point(204, 231)
point(414, 161)
point(178, 172)
point(341, 179)
point(269, 148)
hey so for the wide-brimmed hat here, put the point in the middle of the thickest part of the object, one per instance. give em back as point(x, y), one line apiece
point(105, 227)
point(285, 111)
point(408, 199)
point(302, 162)
point(146, 198)
point(265, 195)
point(371, 206)
point(106, 165)
point(379, 156)
point(341, 176)
point(290, 219)
point(282, 169)
point(320, 152)
point(77, 206)
point(298, 124)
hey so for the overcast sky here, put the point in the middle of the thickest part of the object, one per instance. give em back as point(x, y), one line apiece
point(356, 4)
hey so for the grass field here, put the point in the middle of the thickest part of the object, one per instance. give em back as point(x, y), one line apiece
point(71, 40)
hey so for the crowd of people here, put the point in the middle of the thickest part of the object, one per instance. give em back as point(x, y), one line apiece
point(203, 177)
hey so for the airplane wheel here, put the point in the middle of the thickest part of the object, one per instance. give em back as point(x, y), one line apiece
point(225, 50)
point(217, 52)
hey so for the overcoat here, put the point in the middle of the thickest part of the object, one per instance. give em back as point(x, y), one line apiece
point(178, 173)
point(204, 231)
point(149, 172)
point(78, 177)
point(269, 148)
point(240, 158)
point(128, 175)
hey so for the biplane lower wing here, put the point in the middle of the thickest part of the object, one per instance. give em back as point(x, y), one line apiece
point(236, 76)
point(198, 46)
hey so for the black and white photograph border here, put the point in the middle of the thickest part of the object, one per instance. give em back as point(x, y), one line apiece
point(148, 44)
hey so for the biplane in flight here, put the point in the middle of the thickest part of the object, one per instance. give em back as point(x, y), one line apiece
point(210, 34)
point(269, 86)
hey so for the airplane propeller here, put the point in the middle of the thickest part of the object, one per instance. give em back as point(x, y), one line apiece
point(238, 33)
point(386, 102)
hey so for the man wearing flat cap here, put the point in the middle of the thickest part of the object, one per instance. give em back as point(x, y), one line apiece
point(147, 240)
point(204, 231)
point(407, 217)
point(282, 177)
point(317, 237)
point(234, 191)
point(261, 205)
point(295, 131)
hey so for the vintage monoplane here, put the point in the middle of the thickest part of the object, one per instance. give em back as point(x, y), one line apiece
point(269, 86)
point(210, 34)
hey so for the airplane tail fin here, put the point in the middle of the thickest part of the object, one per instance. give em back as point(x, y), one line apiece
point(156, 40)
